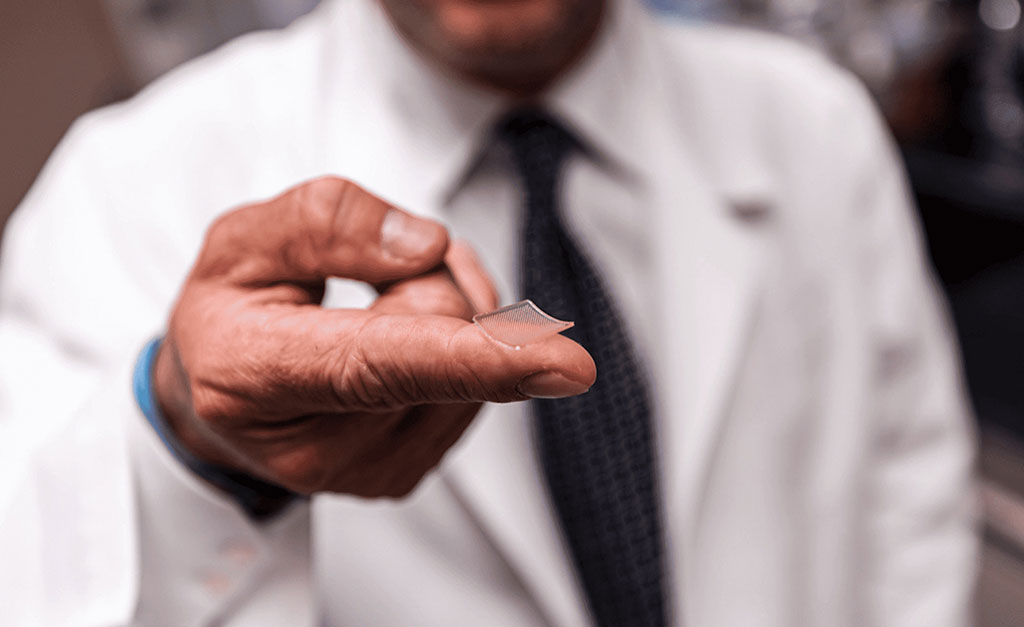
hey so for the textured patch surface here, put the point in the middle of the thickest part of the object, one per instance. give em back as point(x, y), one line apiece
point(520, 324)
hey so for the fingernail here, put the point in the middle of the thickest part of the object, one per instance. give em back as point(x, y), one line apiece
point(550, 385)
point(407, 237)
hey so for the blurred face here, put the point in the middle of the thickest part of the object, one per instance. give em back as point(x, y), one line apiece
point(517, 46)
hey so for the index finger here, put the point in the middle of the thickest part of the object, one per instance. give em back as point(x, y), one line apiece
point(327, 227)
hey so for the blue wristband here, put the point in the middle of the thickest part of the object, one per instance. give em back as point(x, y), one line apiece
point(260, 499)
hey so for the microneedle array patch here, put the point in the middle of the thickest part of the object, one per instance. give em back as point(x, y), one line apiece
point(520, 324)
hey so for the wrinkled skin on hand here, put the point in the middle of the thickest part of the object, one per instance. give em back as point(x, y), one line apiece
point(255, 375)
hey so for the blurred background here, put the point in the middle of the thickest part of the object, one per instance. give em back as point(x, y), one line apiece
point(948, 74)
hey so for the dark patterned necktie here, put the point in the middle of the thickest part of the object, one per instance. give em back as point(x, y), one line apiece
point(596, 450)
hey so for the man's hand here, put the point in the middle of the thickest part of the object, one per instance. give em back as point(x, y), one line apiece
point(255, 375)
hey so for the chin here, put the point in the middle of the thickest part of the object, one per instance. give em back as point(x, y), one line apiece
point(497, 41)
point(503, 24)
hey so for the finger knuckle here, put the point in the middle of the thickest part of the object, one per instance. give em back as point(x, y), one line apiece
point(439, 298)
point(225, 223)
point(327, 207)
point(464, 381)
point(329, 189)
point(362, 384)
point(221, 239)
point(317, 203)
point(323, 198)
point(450, 303)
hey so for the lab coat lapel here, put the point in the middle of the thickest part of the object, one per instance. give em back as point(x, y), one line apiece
point(708, 237)
point(496, 476)
point(708, 246)
point(709, 280)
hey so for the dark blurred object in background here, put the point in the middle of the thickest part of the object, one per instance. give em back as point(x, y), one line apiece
point(967, 167)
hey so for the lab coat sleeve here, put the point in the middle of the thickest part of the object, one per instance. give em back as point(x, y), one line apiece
point(203, 560)
point(99, 525)
point(920, 555)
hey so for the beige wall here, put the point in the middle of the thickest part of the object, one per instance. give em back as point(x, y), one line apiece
point(57, 59)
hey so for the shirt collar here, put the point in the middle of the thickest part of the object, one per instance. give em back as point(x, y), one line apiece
point(438, 121)
point(594, 98)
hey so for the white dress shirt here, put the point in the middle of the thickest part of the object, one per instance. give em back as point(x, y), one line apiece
point(748, 215)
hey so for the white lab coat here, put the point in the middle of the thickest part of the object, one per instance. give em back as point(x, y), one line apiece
point(814, 442)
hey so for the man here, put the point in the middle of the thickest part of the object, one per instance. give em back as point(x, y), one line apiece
point(774, 433)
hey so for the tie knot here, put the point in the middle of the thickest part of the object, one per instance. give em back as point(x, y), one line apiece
point(538, 145)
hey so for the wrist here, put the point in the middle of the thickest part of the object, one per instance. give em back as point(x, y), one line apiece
point(171, 391)
point(162, 394)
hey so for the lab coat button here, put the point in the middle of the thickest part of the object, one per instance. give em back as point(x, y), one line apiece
point(239, 552)
point(216, 584)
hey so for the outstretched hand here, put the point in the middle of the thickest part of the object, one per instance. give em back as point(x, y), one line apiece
point(255, 375)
